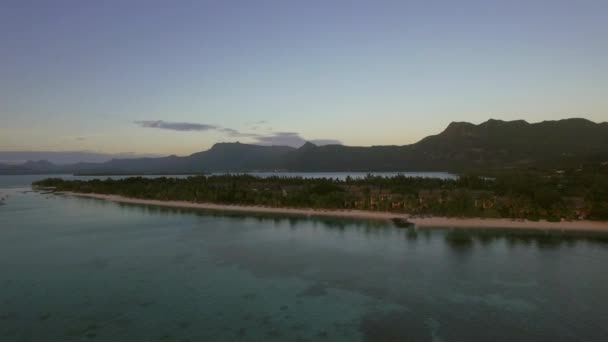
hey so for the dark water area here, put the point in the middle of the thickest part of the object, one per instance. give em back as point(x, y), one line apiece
point(75, 269)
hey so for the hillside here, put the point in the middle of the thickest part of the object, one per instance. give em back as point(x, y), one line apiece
point(461, 146)
point(220, 157)
point(496, 143)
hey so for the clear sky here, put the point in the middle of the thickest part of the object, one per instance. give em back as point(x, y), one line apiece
point(174, 77)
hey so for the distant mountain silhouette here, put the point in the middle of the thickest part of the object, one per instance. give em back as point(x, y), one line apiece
point(461, 146)
point(497, 143)
point(67, 157)
point(220, 157)
point(29, 167)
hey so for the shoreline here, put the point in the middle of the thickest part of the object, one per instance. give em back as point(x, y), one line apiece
point(426, 222)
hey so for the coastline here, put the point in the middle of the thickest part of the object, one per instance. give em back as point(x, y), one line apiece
point(425, 222)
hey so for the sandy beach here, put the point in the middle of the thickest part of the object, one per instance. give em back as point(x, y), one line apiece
point(595, 226)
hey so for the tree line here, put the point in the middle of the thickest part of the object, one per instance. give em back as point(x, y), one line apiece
point(578, 193)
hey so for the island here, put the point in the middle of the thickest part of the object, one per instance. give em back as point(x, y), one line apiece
point(575, 198)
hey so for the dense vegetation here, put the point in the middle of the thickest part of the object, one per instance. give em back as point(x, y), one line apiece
point(532, 194)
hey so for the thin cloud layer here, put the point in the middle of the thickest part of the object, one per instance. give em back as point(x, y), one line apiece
point(190, 127)
point(176, 126)
point(321, 142)
point(291, 139)
point(275, 138)
point(234, 133)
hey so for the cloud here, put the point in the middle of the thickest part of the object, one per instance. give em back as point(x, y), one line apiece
point(281, 138)
point(234, 133)
point(261, 125)
point(129, 155)
point(177, 126)
point(321, 142)
point(273, 138)
point(192, 127)
point(291, 139)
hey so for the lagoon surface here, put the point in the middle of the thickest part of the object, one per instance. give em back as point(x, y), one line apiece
point(74, 269)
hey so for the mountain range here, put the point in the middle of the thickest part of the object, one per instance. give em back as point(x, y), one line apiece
point(461, 146)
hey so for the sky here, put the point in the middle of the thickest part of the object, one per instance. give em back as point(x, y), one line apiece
point(175, 77)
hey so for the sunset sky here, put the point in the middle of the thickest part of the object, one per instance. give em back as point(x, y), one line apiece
point(175, 77)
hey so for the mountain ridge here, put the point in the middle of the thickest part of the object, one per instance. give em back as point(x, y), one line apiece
point(460, 146)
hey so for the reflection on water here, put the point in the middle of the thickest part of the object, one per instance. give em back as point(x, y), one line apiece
point(75, 269)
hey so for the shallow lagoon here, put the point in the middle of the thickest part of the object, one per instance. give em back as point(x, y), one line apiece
point(83, 269)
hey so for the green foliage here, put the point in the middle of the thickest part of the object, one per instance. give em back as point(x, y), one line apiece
point(519, 194)
point(599, 211)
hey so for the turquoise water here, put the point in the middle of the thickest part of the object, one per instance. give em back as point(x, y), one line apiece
point(82, 269)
